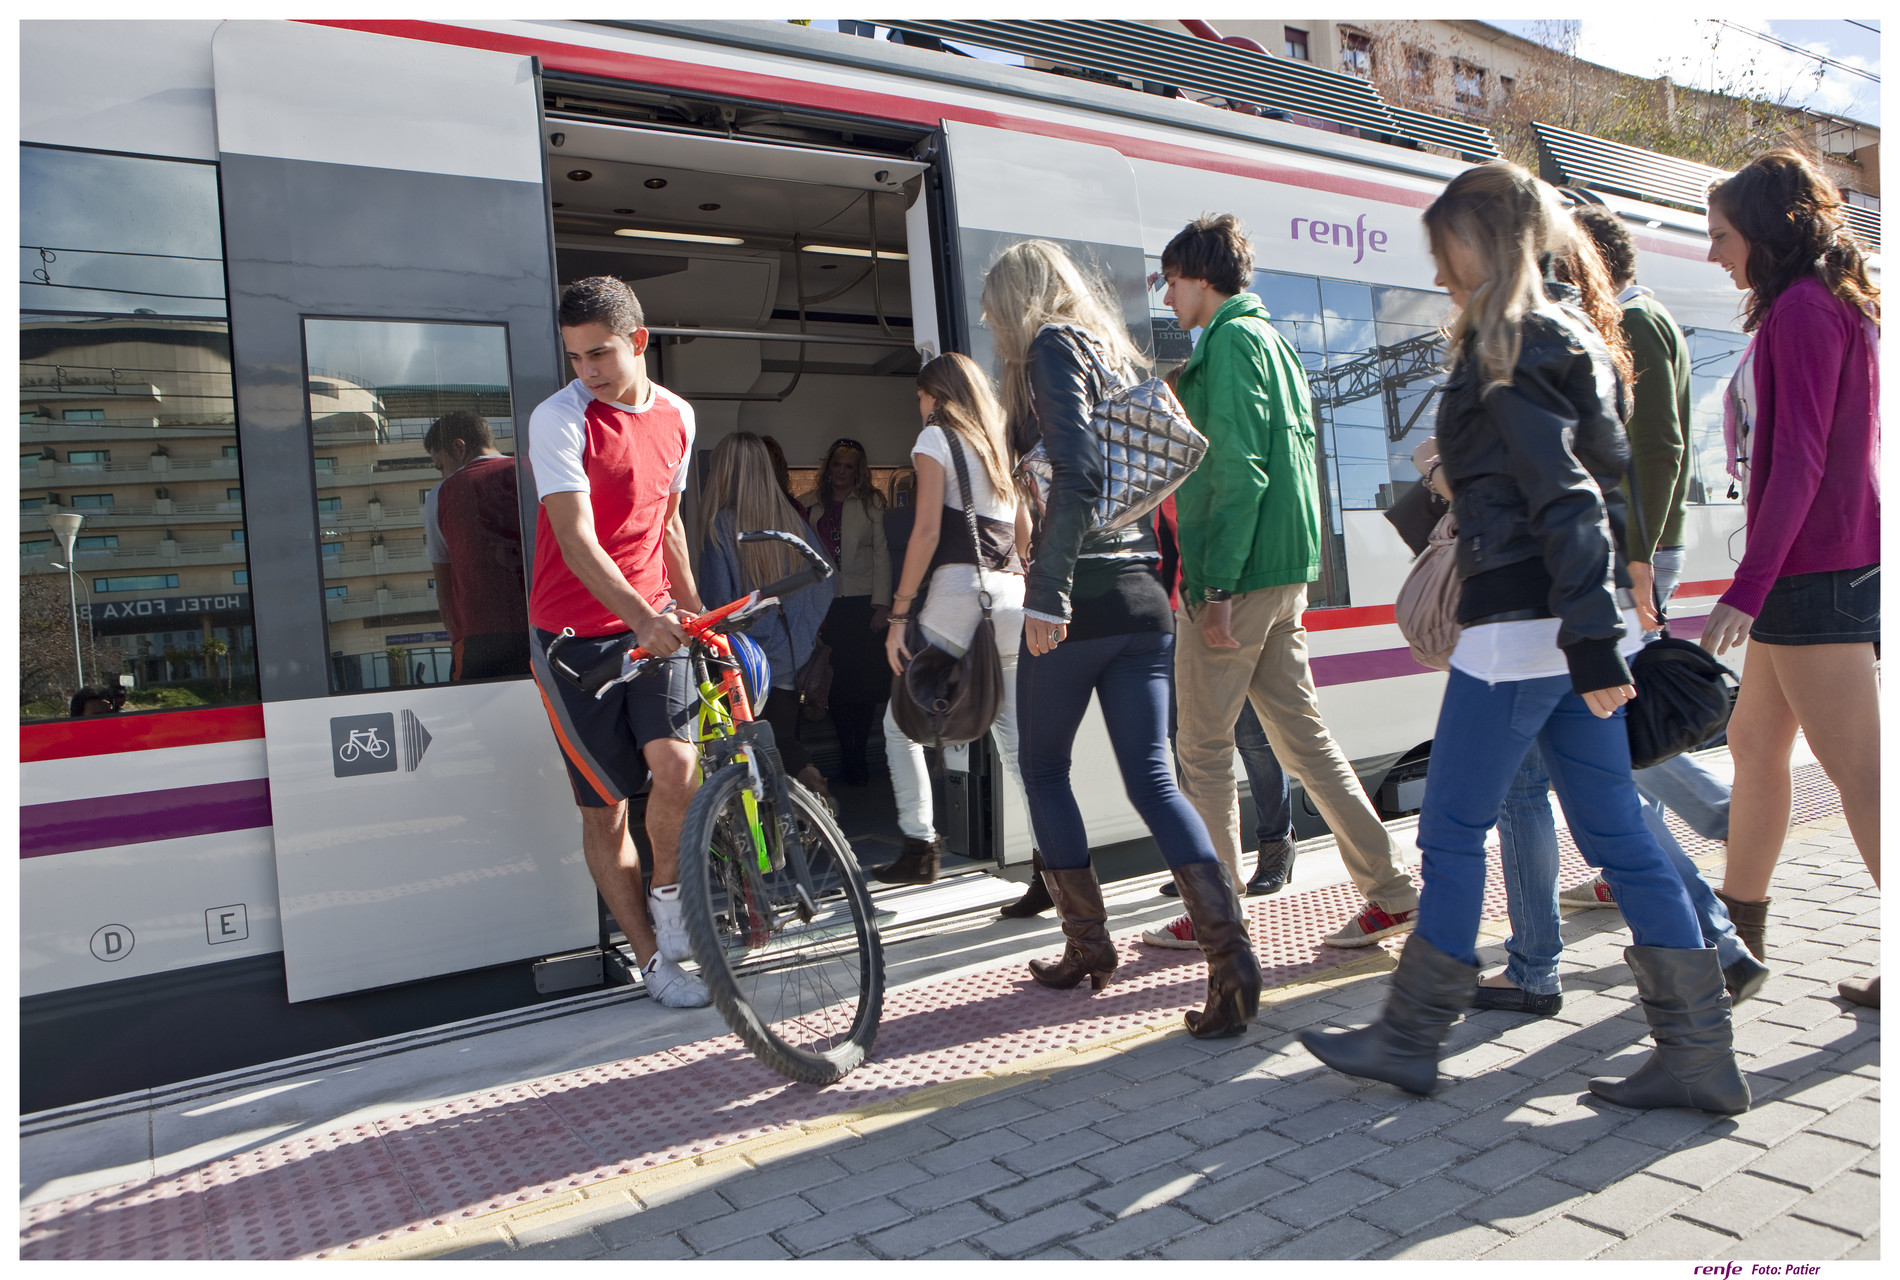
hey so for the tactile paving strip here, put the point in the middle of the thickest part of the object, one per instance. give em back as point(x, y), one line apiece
point(321, 1195)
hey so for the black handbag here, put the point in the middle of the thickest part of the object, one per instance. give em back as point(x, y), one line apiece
point(1681, 701)
point(940, 700)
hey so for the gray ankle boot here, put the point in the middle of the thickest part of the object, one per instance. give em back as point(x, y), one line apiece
point(1429, 991)
point(1688, 1011)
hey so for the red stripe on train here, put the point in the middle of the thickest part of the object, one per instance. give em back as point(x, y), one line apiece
point(665, 72)
point(150, 731)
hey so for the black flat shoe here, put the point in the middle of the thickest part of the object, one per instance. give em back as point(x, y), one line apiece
point(1513, 1000)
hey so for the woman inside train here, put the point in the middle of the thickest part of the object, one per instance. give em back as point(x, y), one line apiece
point(1531, 441)
point(1097, 624)
point(943, 586)
point(743, 493)
point(848, 512)
point(1802, 434)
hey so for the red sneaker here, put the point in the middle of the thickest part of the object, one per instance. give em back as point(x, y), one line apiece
point(1371, 925)
point(1178, 934)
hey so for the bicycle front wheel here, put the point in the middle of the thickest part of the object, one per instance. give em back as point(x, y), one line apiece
point(790, 952)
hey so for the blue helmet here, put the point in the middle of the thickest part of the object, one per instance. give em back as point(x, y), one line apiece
point(754, 668)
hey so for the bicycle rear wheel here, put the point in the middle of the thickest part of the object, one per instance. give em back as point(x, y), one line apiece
point(790, 954)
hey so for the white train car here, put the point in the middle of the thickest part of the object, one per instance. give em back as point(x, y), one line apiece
point(266, 254)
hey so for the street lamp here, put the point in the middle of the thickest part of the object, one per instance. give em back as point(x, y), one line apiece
point(65, 527)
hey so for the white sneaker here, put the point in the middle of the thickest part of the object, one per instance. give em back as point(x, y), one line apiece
point(1593, 892)
point(669, 923)
point(673, 987)
point(1178, 934)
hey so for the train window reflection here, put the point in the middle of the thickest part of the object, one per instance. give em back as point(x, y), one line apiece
point(125, 396)
point(391, 512)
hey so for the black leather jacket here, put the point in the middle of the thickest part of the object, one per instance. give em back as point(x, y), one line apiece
point(1533, 469)
point(1064, 389)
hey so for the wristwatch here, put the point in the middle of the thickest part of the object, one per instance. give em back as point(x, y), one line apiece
point(1217, 595)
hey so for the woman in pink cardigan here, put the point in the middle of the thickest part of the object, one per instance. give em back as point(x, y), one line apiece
point(1803, 433)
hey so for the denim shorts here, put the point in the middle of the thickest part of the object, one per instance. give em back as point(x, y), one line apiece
point(1840, 606)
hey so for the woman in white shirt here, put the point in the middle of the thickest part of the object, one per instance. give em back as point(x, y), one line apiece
point(956, 401)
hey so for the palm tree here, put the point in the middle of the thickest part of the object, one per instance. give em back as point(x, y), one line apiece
point(217, 651)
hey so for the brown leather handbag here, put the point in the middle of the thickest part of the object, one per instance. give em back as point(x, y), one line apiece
point(940, 700)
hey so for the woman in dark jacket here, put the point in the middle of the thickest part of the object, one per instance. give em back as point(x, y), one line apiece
point(1097, 622)
point(743, 493)
point(1530, 436)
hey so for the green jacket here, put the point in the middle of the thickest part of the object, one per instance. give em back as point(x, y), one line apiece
point(1658, 478)
point(1249, 515)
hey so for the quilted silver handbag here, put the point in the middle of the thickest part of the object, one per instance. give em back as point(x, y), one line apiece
point(1148, 445)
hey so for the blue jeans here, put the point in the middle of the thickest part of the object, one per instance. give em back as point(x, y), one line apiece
point(1484, 732)
point(1682, 783)
point(1527, 832)
point(1266, 780)
point(1133, 674)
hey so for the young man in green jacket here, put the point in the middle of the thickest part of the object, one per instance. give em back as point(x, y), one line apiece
point(1250, 538)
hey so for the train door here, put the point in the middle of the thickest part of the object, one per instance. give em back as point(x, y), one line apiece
point(1005, 187)
point(389, 262)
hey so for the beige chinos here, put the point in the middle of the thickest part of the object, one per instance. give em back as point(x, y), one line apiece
point(1270, 667)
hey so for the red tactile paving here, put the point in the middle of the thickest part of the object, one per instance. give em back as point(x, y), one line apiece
point(327, 1194)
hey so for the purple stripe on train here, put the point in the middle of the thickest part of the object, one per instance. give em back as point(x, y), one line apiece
point(1384, 664)
point(143, 816)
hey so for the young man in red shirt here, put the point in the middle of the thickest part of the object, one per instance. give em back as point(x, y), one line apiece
point(609, 453)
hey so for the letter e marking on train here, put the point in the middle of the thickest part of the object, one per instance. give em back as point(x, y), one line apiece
point(227, 924)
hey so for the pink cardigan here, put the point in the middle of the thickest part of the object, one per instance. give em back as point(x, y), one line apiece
point(1814, 496)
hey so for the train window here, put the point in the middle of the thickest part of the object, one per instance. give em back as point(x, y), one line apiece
point(375, 389)
point(125, 373)
point(1372, 357)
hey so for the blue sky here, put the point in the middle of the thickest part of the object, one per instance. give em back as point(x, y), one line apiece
point(1696, 51)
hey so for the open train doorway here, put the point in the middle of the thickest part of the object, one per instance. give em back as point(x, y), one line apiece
point(790, 292)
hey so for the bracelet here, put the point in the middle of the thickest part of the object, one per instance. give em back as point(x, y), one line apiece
point(912, 596)
point(897, 617)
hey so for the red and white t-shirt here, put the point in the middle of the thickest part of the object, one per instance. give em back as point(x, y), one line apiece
point(629, 460)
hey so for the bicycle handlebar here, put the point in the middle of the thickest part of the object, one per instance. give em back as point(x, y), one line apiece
point(596, 679)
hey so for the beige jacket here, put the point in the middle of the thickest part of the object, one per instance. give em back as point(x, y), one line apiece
point(865, 568)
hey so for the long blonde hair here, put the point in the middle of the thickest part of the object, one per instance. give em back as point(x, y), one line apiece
point(740, 478)
point(967, 406)
point(1035, 283)
point(1507, 219)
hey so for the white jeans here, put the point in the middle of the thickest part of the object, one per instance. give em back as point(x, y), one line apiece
point(910, 779)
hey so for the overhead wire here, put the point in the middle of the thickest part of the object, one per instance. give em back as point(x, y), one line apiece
point(1821, 58)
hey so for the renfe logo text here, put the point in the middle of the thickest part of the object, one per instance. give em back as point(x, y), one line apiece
point(1345, 235)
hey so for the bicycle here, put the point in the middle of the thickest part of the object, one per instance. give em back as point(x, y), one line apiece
point(362, 740)
point(777, 910)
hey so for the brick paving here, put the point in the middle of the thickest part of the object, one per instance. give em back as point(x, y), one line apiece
point(1248, 1149)
point(1157, 1146)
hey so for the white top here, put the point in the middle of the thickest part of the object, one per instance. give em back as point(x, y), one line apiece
point(1525, 649)
point(951, 607)
point(438, 549)
point(932, 444)
point(557, 436)
point(1746, 397)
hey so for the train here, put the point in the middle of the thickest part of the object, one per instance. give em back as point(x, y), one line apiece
point(260, 257)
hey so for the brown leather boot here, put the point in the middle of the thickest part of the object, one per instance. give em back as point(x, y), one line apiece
point(1233, 973)
point(917, 864)
point(1078, 897)
point(1751, 922)
point(1035, 899)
